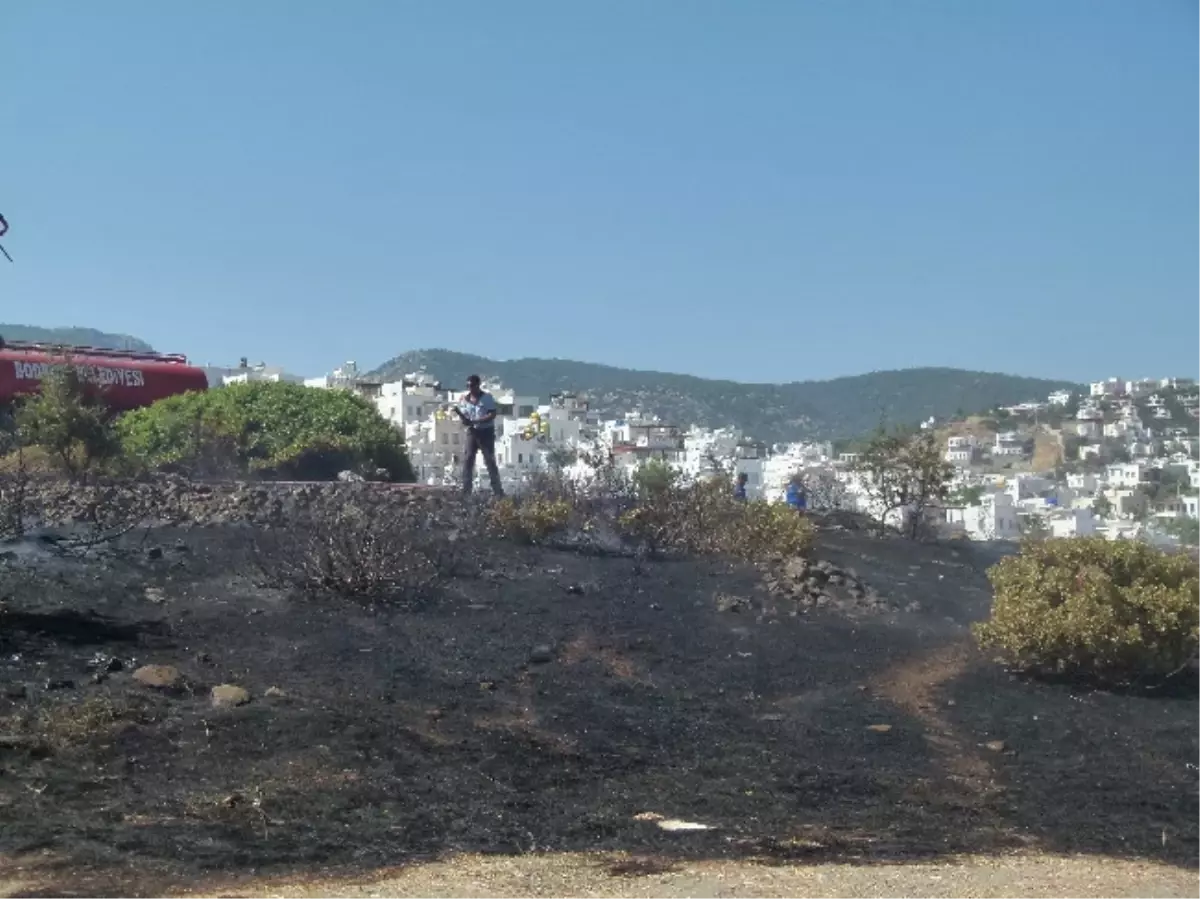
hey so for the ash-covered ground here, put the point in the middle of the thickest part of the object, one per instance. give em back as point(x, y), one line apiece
point(544, 700)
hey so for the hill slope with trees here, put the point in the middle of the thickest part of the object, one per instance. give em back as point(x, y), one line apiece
point(832, 410)
point(74, 337)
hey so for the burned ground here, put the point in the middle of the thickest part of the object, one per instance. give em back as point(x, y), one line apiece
point(544, 702)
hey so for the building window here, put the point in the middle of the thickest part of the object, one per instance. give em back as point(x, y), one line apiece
point(520, 458)
point(454, 439)
point(445, 439)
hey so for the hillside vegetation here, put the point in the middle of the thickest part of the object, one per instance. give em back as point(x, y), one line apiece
point(74, 337)
point(831, 410)
point(273, 429)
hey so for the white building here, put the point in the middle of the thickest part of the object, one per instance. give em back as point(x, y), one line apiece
point(1008, 443)
point(1126, 474)
point(995, 518)
point(1073, 523)
point(408, 402)
point(1084, 483)
point(344, 378)
point(961, 450)
point(1059, 398)
point(1110, 388)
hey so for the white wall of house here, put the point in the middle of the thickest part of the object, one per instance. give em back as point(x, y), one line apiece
point(1073, 523)
point(995, 518)
point(1083, 482)
point(1125, 474)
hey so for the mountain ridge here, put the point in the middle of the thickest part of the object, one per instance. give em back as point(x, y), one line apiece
point(833, 409)
point(74, 336)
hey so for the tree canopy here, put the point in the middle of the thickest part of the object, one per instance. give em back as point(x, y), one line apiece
point(271, 429)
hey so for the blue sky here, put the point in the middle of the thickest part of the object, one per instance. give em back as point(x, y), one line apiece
point(753, 190)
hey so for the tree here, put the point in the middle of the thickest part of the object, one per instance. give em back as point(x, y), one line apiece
point(1186, 530)
point(559, 457)
point(904, 472)
point(68, 419)
point(1033, 527)
point(1102, 506)
point(272, 429)
point(655, 477)
point(966, 496)
point(822, 490)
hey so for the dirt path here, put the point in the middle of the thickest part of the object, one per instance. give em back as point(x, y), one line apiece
point(505, 877)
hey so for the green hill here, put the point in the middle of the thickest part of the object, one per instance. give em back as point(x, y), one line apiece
point(831, 410)
point(74, 337)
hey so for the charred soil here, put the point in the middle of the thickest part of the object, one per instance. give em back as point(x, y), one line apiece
point(546, 701)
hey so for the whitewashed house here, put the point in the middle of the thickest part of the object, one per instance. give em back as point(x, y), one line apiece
point(995, 518)
point(1079, 522)
point(1009, 443)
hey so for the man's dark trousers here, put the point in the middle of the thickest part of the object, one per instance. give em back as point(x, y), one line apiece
point(481, 440)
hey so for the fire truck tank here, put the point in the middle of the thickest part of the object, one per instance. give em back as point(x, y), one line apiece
point(123, 379)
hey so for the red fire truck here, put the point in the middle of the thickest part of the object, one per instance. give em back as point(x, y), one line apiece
point(123, 379)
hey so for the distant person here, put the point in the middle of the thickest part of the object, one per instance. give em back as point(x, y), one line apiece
point(477, 410)
point(796, 497)
point(739, 486)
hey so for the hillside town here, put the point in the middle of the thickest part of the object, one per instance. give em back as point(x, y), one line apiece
point(1117, 460)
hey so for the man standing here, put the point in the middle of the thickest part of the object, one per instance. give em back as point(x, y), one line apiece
point(739, 486)
point(477, 409)
point(795, 496)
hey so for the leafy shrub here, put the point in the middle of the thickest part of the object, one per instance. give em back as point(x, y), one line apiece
point(528, 519)
point(273, 429)
point(68, 421)
point(1113, 611)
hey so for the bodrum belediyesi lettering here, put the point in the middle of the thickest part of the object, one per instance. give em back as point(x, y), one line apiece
point(93, 374)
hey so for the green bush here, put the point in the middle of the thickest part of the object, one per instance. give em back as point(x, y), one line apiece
point(67, 421)
point(272, 429)
point(1112, 611)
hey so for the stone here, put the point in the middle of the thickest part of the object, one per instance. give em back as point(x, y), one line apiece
point(728, 603)
point(275, 693)
point(154, 552)
point(996, 745)
point(541, 654)
point(229, 695)
point(879, 728)
point(160, 677)
point(156, 594)
point(15, 691)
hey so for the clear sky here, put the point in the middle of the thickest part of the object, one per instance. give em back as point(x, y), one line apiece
point(745, 189)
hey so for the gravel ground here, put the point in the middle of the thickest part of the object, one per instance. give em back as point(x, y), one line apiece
point(1030, 877)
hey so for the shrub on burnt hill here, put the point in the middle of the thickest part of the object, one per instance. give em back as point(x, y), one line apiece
point(1117, 612)
point(662, 511)
point(270, 429)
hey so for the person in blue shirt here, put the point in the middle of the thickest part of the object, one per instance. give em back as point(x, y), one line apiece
point(477, 410)
point(795, 496)
point(739, 486)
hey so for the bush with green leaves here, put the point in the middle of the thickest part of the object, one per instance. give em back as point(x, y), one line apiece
point(68, 421)
point(266, 428)
point(1118, 612)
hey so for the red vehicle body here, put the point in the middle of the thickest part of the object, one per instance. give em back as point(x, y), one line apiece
point(125, 380)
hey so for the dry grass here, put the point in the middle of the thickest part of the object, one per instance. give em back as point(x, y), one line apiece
point(95, 718)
